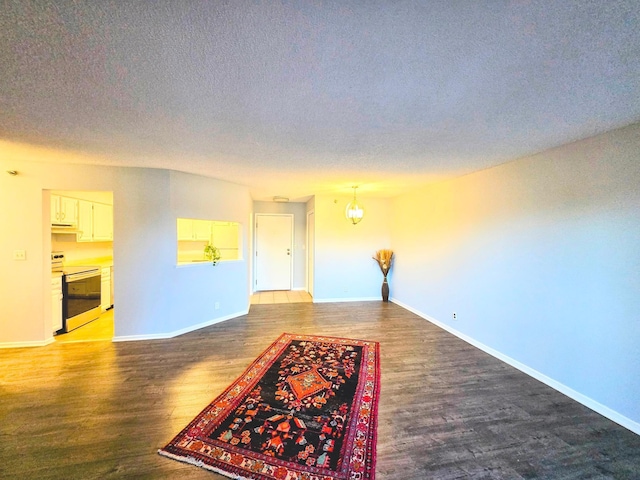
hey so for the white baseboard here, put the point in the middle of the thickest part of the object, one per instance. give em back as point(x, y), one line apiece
point(560, 387)
point(39, 343)
point(182, 331)
point(338, 300)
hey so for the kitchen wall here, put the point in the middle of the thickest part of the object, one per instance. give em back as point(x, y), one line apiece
point(78, 251)
point(148, 284)
point(298, 210)
point(540, 260)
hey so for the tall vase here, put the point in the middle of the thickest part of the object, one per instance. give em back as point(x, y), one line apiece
point(385, 290)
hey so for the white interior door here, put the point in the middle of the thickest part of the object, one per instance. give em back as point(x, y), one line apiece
point(274, 246)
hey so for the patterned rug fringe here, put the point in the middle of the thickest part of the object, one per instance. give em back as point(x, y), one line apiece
point(201, 464)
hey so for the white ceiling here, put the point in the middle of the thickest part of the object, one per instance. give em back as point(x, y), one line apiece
point(311, 97)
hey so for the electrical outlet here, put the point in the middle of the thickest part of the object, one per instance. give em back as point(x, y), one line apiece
point(217, 305)
point(455, 316)
point(19, 254)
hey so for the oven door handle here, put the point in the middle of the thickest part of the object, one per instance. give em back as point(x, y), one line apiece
point(73, 277)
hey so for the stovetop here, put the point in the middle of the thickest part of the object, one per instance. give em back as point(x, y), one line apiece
point(57, 259)
point(78, 269)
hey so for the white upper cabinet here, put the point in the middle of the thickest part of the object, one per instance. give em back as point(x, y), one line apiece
point(202, 230)
point(185, 229)
point(64, 211)
point(102, 222)
point(85, 221)
point(95, 222)
point(189, 229)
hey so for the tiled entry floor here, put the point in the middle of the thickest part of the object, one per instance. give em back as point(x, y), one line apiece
point(280, 296)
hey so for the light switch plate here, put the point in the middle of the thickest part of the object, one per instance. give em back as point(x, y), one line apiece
point(19, 254)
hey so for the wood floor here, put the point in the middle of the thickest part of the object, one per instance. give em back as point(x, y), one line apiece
point(99, 329)
point(102, 327)
point(100, 410)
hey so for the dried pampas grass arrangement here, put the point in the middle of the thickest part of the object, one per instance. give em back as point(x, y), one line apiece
point(384, 259)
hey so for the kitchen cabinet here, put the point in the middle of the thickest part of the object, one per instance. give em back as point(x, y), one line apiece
point(64, 211)
point(105, 289)
point(85, 221)
point(185, 229)
point(56, 303)
point(102, 222)
point(194, 229)
point(225, 237)
point(201, 230)
point(95, 222)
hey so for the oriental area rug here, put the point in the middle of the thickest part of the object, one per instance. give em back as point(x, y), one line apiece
point(306, 409)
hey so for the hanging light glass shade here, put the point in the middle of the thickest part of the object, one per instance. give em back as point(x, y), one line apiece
point(354, 211)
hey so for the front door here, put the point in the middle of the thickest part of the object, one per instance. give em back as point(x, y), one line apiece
point(274, 246)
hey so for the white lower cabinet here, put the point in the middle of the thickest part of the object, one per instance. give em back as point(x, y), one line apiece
point(105, 289)
point(56, 303)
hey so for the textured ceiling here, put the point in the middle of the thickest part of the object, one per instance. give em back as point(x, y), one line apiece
point(309, 97)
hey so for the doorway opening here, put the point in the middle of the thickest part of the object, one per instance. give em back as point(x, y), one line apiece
point(82, 232)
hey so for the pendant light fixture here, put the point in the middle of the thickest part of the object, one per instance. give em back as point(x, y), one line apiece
point(354, 211)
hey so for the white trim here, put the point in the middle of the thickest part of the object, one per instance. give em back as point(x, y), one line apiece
point(182, 331)
point(339, 300)
point(39, 343)
point(560, 387)
point(310, 253)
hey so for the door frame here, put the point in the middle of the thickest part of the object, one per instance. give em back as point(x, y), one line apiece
point(311, 251)
point(255, 246)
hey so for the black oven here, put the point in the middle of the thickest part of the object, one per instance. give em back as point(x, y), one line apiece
point(81, 290)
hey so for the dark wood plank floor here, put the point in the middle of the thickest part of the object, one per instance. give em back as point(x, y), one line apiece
point(100, 410)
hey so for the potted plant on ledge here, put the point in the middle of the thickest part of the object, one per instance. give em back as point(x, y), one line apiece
point(212, 253)
point(384, 259)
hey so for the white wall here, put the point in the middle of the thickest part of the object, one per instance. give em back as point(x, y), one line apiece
point(25, 286)
point(144, 253)
point(344, 269)
point(540, 259)
point(196, 289)
point(298, 210)
point(149, 288)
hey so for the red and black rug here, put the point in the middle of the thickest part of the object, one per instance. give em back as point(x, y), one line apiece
point(306, 409)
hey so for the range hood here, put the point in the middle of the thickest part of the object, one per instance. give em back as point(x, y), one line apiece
point(64, 228)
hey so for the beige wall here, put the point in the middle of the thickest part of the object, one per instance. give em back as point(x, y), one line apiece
point(540, 259)
point(344, 269)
